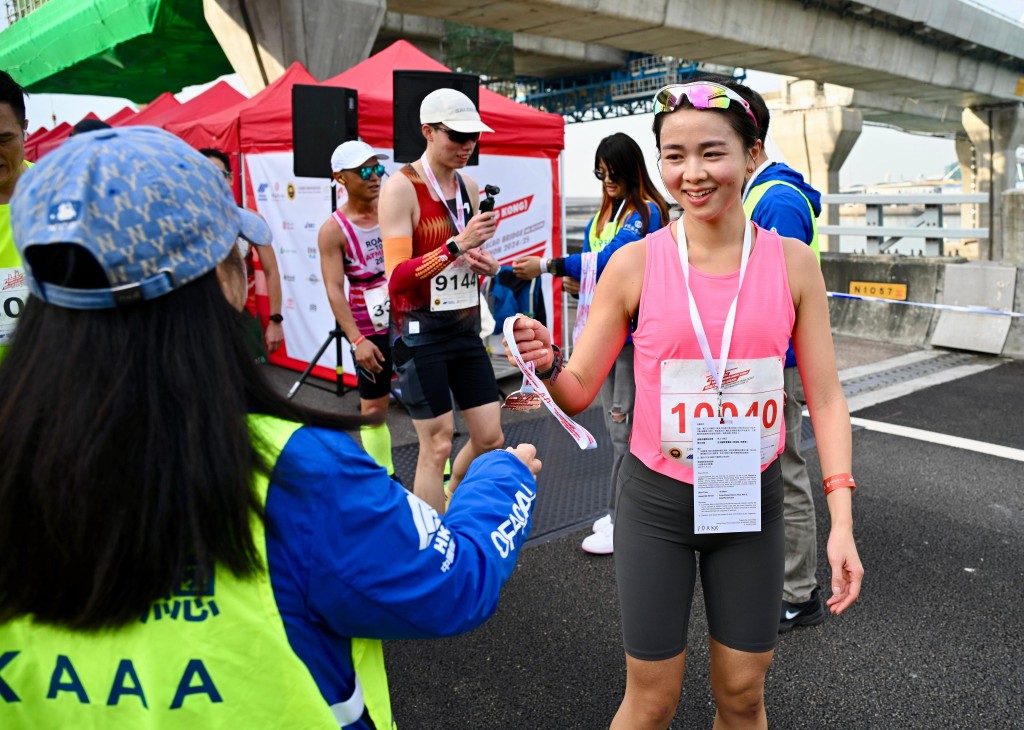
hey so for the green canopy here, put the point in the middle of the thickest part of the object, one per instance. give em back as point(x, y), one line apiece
point(130, 48)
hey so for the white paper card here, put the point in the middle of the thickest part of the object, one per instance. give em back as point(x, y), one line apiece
point(727, 475)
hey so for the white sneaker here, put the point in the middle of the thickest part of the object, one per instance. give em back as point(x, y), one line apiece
point(600, 543)
point(602, 523)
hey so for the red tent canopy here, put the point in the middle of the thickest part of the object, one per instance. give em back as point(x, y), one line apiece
point(154, 110)
point(53, 139)
point(517, 128)
point(115, 119)
point(32, 153)
point(223, 130)
point(219, 96)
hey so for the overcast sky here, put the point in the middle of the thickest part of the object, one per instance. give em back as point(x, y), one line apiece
point(879, 154)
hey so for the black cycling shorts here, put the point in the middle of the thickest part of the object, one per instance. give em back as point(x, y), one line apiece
point(656, 567)
point(375, 385)
point(430, 375)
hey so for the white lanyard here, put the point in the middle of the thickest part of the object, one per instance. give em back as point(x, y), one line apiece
point(730, 320)
point(458, 220)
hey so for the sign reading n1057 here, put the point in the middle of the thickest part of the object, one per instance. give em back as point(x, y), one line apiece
point(880, 289)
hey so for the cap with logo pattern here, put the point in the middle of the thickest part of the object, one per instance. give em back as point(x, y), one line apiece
point(152, 211)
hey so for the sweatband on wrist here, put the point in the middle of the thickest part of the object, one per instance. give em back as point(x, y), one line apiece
point(838, 481)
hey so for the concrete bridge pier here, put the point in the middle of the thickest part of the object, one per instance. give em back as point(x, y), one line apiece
point(261, 38)
point(816, 142)
point(967, 156)
point(995, 132)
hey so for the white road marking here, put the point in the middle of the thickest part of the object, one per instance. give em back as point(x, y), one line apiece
point(941, 439)
point(874, 397)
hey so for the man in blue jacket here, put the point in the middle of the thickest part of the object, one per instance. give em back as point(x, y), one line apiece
point(777, 198)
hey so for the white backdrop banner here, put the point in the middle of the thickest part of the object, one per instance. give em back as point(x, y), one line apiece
point(295, 208)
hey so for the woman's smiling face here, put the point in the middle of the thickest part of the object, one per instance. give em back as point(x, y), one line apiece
point(703, 161)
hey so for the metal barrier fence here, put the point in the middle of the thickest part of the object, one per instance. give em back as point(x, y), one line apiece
point(929, 225)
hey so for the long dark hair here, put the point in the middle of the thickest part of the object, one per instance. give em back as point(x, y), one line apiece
point(126, 453)
point(623, 158)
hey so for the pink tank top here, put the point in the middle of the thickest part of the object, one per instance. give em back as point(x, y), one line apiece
point(672, 381)
point(364, 269)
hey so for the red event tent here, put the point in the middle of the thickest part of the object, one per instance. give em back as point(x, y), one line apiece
point(223, 129)
point(518, 129)
point(219, 96)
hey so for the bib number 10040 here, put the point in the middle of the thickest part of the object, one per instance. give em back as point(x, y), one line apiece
point(752, 389)
point(768, 412)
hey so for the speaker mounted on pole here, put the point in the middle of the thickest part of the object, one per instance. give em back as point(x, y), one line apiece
point(322, 118)
point(409, 89)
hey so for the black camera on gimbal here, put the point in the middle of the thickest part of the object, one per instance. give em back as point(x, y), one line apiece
point(487, 204)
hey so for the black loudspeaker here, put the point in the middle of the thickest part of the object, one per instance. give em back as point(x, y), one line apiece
point(322, 118)
point(410, 88)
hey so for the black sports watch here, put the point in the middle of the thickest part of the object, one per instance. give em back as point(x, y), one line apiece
point(453, 248)
point(276, 318)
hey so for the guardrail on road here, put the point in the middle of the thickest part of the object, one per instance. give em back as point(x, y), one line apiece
point(928, 225)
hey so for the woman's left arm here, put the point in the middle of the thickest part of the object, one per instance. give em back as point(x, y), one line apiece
point(815, 355)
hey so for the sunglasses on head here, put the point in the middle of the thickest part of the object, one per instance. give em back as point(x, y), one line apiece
point(702, 95)
point(458, 137)
point(365, 172)
point(602, 175)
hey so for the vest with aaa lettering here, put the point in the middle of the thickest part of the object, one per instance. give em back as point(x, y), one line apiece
point(673, 385)
point(219, 661)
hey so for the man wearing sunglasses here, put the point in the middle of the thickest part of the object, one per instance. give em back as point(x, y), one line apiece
point(433, 238)
point(350, 248)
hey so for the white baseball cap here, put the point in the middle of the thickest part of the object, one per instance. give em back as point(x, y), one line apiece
point(350, 155)
point(453, 109)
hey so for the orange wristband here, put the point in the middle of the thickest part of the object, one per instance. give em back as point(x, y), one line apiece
point(837, 481)
point(358, 341)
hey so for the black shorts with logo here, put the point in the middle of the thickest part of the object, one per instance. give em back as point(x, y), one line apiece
point(656, 567)
point(430, 375)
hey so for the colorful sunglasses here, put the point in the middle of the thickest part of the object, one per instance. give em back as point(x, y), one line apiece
point(702, 95)
point(458, 137)
point(365, 172)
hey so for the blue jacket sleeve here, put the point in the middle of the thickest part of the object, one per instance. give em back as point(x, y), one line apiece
point(786, 212)
point(382, 564)
point(629, 232)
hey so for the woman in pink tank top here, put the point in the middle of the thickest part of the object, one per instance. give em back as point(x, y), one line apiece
point(712, 301)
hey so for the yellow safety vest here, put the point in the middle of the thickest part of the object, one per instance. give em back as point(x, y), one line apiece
point(219, 661)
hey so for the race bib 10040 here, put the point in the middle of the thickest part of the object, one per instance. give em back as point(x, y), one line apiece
point(751, 388)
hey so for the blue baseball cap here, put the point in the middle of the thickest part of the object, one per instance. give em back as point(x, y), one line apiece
point(152, 211)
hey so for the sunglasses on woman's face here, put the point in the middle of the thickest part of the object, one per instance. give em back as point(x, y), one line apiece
point(702, 95)
point(365, 172)
point(458, 137)
point(602, 175)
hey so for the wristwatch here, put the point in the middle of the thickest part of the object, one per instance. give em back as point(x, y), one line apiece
point(276, 318)
point(453, 248)
point(550, 266)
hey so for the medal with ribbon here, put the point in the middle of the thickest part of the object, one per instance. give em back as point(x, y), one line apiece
point(533, 392)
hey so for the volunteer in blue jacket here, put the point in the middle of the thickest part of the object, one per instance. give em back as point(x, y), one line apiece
point(777, 198)
point(631, 207)
point(183, 547)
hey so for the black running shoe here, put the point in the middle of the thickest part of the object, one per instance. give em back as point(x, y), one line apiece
point(808, 613)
